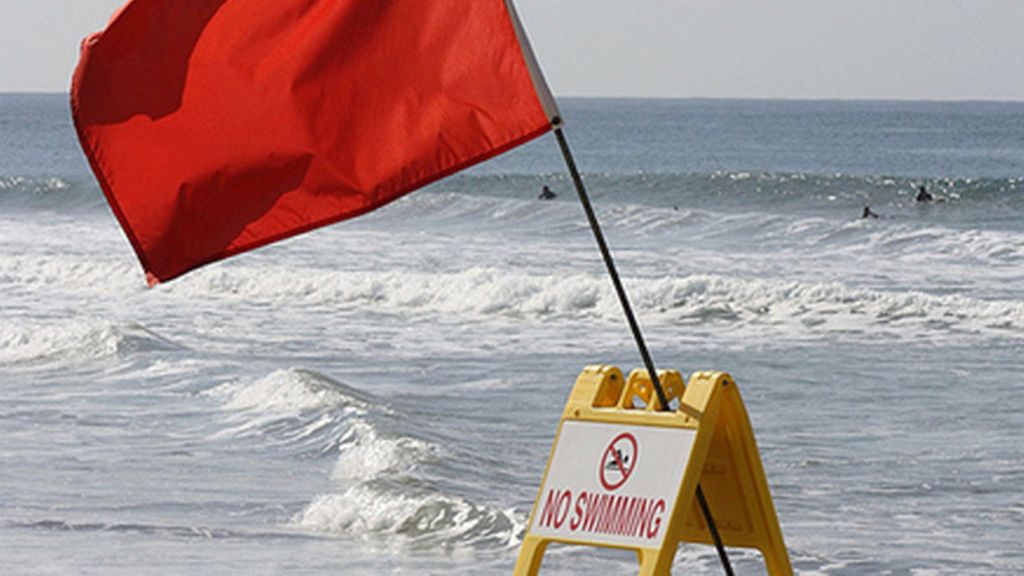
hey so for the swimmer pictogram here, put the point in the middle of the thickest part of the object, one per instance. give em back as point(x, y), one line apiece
point(618, 461)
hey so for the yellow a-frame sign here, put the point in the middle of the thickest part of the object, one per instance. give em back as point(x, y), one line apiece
point(623, 473)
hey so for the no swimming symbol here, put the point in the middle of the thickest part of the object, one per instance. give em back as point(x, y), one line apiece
point(618, 461)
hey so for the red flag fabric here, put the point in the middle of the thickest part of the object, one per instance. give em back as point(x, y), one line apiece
point(219, 126)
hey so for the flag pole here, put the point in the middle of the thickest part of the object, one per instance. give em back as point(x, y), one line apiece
point(634, 326)
point(609, 263)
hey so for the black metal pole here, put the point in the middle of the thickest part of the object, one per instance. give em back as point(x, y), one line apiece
point(713, 529)
point(609, 263)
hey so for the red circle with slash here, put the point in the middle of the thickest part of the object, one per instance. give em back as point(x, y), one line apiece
point(618, 461)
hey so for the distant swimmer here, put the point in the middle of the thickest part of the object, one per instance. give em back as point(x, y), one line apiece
point(923, 195)
point(868, 213)
point(546, 194)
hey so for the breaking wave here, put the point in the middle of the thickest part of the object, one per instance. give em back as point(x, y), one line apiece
point(420, 519)
point(382, 495)
point(773, 306)
point(800, 307)
point(381, 492)
point(294, 409)
point(364, 455)
point(76, 341)
point(291, 390)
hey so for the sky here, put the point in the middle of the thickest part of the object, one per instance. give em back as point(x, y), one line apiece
point(803, 49)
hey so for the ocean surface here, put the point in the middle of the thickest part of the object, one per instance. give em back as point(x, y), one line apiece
point(380, 397)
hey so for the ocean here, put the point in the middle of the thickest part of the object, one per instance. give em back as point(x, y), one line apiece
point(380, 396)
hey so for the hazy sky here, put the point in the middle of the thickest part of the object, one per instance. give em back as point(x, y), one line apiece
point(917, 49)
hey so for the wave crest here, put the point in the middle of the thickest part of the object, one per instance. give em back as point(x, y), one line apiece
point(786, 308)
point(76, 341)
point(365, 455)
point(289, 390)
point(426, 519)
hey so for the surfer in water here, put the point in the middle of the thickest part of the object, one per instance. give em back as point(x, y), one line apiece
point(923, 195)
point(546, 194)
point(868, 213)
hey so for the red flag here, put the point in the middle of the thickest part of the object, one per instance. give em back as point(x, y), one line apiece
point(219, 126)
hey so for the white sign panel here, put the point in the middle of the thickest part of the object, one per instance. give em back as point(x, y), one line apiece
point(612, 483)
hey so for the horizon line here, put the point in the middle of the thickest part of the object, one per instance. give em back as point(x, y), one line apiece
point(895, 99)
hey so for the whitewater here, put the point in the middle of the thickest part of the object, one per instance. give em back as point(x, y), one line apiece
point(380, 396)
